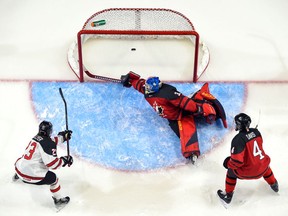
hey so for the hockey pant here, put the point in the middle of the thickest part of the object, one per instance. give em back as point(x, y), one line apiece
point(52, 180)
point(231, 179)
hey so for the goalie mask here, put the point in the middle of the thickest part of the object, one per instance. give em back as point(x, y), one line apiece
point(45, 128)
point(152, 85)
point(242, 121)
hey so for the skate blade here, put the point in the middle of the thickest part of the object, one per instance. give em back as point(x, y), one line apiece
point(226, 205)
point(60, 207)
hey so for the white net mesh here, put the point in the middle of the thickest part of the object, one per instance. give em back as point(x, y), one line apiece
point(140, 20)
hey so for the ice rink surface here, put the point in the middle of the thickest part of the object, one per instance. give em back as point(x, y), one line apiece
point(247, 42)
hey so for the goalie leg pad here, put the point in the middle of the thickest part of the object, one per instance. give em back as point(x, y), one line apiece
point(188, 136)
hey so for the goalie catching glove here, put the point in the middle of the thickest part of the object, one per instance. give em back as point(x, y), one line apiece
point(207, 111)
point(66, 134)
point(204, 96)
point(127, 79)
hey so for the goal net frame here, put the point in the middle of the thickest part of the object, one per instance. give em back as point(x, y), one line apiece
point(75, 53)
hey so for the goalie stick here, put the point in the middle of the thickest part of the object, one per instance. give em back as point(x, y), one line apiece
point(102, 77)
point(66, 118)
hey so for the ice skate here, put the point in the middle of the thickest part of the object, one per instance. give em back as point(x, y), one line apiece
point(15, 177)
point(61, 203)
point(193, 158)
point(275, 187)
point(225, 198)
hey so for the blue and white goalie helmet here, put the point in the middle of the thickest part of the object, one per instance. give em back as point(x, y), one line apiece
point(152, 85)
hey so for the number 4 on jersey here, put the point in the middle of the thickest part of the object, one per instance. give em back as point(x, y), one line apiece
point(257, 151)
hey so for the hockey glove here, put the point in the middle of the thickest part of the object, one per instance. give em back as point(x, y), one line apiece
point(225, 162)
point(126, 79)
point(207, 111)
point(67, 160)
point(66, 134)
point(204, 95)
point(199, 110)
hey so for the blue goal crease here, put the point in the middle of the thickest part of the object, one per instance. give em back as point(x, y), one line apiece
point(115, 127)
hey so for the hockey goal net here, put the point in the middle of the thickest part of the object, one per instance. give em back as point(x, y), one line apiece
point(118, 40)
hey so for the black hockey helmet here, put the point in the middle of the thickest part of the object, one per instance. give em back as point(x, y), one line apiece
point(242, 121)
point(45, 128)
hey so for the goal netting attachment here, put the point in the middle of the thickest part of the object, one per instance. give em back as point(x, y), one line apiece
point(144, 40)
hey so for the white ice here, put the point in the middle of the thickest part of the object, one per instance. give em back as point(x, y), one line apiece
point(247, 41)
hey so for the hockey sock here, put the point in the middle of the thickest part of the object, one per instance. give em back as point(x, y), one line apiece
point(55, 189)
point(269, 176)
point(230, 184)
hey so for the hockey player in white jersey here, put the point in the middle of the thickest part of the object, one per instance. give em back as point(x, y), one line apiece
point(40, 157)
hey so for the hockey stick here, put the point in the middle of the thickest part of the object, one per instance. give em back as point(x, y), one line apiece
point(102, 77)
point(66, 118)
point(258, 119)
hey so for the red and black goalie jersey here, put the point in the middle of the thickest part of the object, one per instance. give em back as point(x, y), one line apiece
point(168, 102)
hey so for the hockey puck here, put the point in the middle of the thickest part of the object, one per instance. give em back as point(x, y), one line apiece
point(133, 49)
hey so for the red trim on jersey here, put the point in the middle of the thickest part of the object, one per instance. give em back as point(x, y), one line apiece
point(59, 164)
point(54, 162)
point(28, 178)
point(56, 140)
point(17, 160)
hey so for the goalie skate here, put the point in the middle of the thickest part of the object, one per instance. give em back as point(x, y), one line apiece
point(193, 158)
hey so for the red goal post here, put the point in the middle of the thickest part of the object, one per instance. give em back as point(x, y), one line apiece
point(137, 24)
